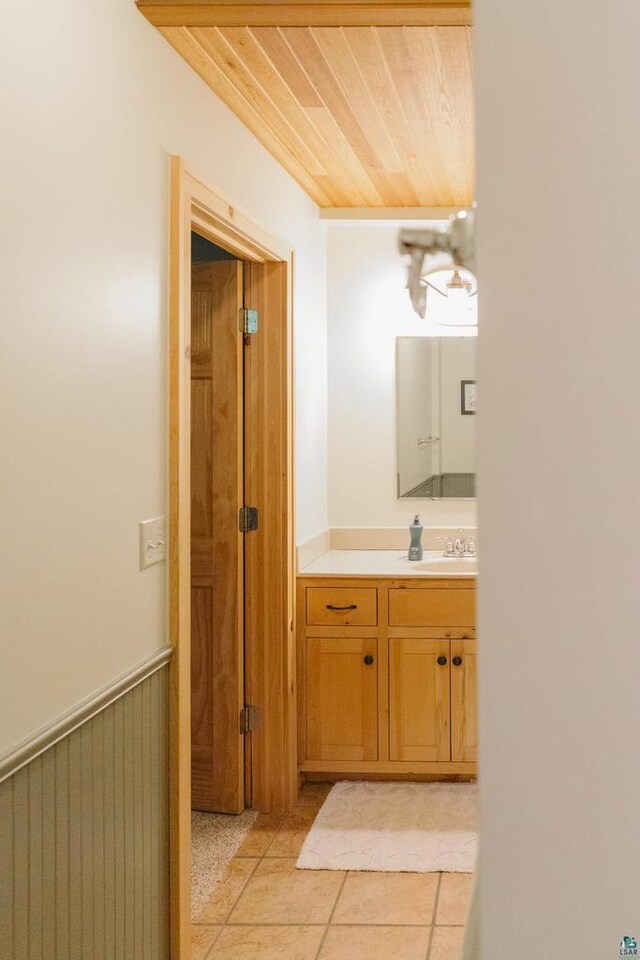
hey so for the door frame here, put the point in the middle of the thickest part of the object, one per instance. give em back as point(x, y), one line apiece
point(269, 600)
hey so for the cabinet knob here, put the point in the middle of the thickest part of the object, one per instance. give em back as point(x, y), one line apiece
point(442, 661)
point(347, 606)
point(456, 661)
point(368, 659)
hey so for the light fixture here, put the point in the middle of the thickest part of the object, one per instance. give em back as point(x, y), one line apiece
point(454, 242)
point(453, 302)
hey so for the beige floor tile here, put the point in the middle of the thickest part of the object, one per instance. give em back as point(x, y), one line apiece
point(447, 943)
point(454, 898)
point(227, 891)
point(268, 943)
point(260, 836)
point(375, 943)
point(202, 939)
point(291, 835)
point(387, 898)
point(278, 893)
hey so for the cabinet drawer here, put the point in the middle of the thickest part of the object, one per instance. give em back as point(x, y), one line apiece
point(432, 608)
point(350, 606)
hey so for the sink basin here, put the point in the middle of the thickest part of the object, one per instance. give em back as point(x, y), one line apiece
point(460, 566)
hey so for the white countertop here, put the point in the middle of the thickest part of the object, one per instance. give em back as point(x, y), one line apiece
point(388, 563)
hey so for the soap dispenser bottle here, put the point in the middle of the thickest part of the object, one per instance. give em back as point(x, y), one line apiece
point(415, 532)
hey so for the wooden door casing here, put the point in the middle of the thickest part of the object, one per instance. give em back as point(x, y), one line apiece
point(217, 562)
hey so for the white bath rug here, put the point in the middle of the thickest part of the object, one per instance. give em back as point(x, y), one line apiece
point(409, 827)
point(215, 840)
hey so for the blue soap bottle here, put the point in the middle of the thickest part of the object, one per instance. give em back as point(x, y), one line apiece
point(415, 532)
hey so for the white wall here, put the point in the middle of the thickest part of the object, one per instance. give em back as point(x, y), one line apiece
point(93, 103)
point(558, 148)
point(368, 308)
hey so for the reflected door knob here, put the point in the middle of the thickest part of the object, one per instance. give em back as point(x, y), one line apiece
point(442, 661)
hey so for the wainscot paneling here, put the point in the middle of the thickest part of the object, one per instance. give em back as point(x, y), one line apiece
point(84, 838)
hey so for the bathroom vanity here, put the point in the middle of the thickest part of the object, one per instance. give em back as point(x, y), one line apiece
point(386, 647)
point(386, 668)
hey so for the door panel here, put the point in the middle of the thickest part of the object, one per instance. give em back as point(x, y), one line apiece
point(342, 699)
point(464, 701)
point(419, 704)
point(217, 641)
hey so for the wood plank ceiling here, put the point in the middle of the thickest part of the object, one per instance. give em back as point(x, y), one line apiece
point(360, 115)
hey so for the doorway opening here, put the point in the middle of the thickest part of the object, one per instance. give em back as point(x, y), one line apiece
point(232, 714)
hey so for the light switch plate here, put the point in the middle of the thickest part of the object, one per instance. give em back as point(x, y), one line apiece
point(153, 543)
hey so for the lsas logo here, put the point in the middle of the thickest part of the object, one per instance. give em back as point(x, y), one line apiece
point(628, 947)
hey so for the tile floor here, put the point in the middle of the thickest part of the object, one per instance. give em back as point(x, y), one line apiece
point(265, 909)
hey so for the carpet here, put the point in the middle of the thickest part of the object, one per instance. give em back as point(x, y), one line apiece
point(406, 827)
point(215, 839)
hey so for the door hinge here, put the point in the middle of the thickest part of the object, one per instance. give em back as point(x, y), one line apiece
point(248, 321)
point(249, 719)
point(248, 520)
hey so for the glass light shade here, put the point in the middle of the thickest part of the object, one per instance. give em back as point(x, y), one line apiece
point(453, 302)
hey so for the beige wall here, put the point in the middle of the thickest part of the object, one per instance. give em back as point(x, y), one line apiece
point(368, 307)
point(558, 155)
point(93, 103)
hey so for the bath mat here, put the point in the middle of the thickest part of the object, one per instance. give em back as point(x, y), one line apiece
point(406, 827)
point(215, 839)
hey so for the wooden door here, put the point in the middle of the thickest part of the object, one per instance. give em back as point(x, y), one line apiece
point(342, 699)
point(464, 701)
point(419, 699)
point(217, 562)
point(272, 774)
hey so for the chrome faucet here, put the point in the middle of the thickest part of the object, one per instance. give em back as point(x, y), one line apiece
point(460, 547)
point(449, 547)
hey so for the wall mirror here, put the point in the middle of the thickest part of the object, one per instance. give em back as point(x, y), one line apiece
point(436, 403)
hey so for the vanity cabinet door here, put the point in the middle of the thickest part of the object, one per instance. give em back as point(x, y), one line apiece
point(464, 701)
point(342, 699)
point(419, 699)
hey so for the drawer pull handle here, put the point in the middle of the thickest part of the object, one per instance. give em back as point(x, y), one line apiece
point(368, 659)
point(442, 661)
point(349, 606)
point(456, 661)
